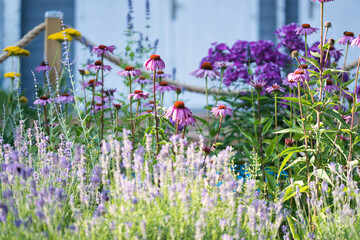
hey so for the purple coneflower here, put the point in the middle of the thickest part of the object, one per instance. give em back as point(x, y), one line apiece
point(223, 65)
point(164, 87)
point(258, 84)
point(138, 94)
point(321, 1)
point(356, 42)
point(103, 99)
point(65, 98)
point(276, 88)
point(43, 100)
point(102, 49)
point(98, 107)
point(154, 63)
point(147, 112)
point(117, 106)
point(91, 83)
point(221, 110)
point(98, 65)
point(290, 80)
point(44, 66)
point(305, 29)
point(180, 113)
point(347, 38)
point(330, 86)
point(142, 81)
point(160, 74)
point(346, 118)
point(300, 76)
point(129, 71)
point(149, 104)
point(289, 142)
point(109, 92)
point(206, 70)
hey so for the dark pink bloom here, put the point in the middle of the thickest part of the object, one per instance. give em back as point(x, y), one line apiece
point(105, 99)
point(290, 80)
point(164, 87)
point(43, 67)
point(65, 98)
point(222, 110)
point(129, 71)
point(356, 42)
point(289, 142)
point(305, 29)
point(180, 113)
point(346, 118)
point(43, 100)
point(117, 106)
point(142, 80)
point(154, 63)
point(347, 38)
point(138, 94)
point(275, 88)
point(102, 49)
point(98, 65)
point(206, 70)
point(109, 92)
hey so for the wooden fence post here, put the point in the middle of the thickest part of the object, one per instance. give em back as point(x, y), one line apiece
point(52, 25)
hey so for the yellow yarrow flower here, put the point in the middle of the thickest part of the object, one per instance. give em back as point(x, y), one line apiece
point(72, 32)
point(23, 100)
point(87, 72)
point(60, 37)
point(12, 75)
point(16, 51)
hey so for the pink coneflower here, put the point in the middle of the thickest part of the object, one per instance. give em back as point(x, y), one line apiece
point(65, 98)
point(129, 71)
point(164, 87)
point(109, 92)
point(335, 53)
point(160, 74)
point(206, 70)
point(180, 113)
point(356, 42)
point(142, 81)
point(98, 107)
point(346, 118)
point(146, 112)
point(221, 110)
point(330, 86)
point(138, 94)
point(300, 76)
point(275, 88)
point(102, 49)
point(43, 100)
point(117, 106)
point(154, 63)
point(223, 65)
point(290, 80)
point(105, 99)
point(304, 68)
point(305, 29)
point(258, 84)
point(91, 83)
point(51, 125)
point(43, 67)
point(347, 38)
point(289, 142)
point(321, 1)
point(98, 65)
point(150, 104)
point(343, 137)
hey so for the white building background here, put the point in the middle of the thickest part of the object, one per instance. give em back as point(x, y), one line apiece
point(185, 28)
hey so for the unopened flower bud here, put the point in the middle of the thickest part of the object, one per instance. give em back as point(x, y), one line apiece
point(327, 24)
point(331, 42)
point(294, 54)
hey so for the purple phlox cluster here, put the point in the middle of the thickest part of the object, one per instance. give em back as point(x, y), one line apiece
point(102, 49)
point(288, 38)
point(269, 73)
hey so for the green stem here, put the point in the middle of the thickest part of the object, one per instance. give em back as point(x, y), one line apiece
point(221, 80)
point(156, 119)
point(260, 140)
point(276, 125)
point(253, 110)
point(131, 116)
point(102, 97)
point(217, 135)
point(207, 103)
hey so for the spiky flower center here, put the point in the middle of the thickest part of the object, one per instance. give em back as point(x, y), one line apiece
point(98, 63)
point(91, 81)
point(329, 82)
point(304, 66)
point(306, 25)
point(102, 47)
point(142, 78)
point(82, 71)
point(179, 104)
point(349, 34)
point(332, 48)
point(299, 72)
point(44, 98)
point(155, 57)
point(222, 107)
point(206, 66)
point(138, 91)
point(207, 150)
point(44, 63)
point(129, 68)
point(65, 94)
point(117, 105)
point(160, 72)
point(151, 102)
point(149, 111)
point(163, 83)
point(99, 104)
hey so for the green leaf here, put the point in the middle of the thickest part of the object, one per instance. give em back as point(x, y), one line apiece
point(323, 175)
point(267, 126)
point(270, 148)
point(292, 228)
point(315, 54)
point(201, 120)
point(248, 136)
point(284, 162)
point(291, 130)
point(271, 181)
point(296, 100)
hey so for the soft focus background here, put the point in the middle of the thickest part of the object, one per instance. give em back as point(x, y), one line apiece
point(185, 28)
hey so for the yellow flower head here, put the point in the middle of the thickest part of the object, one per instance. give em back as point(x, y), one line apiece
point(23, 100)
point(87, 72)
point(12, 75)
point(72, 32)
point(16, 51)
point(60, 36)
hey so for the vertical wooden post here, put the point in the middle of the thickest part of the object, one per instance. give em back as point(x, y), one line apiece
point(52, 25)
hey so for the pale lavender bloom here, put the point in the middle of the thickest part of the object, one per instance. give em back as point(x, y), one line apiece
point(129, 71)
point(138, 94)
point(98, 65)
point(300, 76)
point(223, 65)
point(305, 29)
point(356, 42)
point(258, 84)
point(206, 70)
point(43, 67)
point(91, 83)
point(290, 81)
point(105, 99)
point(164, 87)
point(150, 104)
point(347, 38)
point(102, 49)
point(142, 81)
point(275, 88)
point(65, 98)
point(221, 110)
point(98, 107)
point(226, 237)
point(180, 113)
point(43, 100)
point(160, 74)
point(154, 63)
point(330, 86)
point(335, 53)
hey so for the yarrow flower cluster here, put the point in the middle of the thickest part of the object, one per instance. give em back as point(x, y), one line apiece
point(16, 51)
